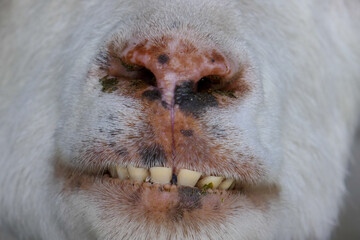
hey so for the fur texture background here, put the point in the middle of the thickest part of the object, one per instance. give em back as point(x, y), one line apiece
point(299, 121)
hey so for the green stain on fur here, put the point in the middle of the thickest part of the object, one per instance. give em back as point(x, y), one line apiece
point(109, 84)
point(229, 94)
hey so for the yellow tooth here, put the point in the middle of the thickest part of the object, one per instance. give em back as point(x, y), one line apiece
point(122, 172)
point(226, 184)
point(113, 173)
point(137, 174)
point(160, 175)
point(188, 178)
point(210, 179)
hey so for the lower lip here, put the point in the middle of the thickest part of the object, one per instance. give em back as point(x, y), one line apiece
point(160, 205)
point(167, 207)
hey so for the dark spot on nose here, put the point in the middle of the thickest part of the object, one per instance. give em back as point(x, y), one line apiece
point(153, 155)
point(187, 133)
point(152, 95)
point(212, 60)
point(163, 58)
point(193, 102)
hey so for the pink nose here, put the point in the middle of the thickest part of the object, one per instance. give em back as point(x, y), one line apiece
point(174, 61)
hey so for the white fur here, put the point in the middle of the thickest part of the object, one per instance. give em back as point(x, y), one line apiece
point(300, 120)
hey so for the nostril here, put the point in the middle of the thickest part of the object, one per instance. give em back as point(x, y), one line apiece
point(190, 101)
point(209, 84)
point(148, 77)
point(120, 69)
point(138, 72)
point(204, 85)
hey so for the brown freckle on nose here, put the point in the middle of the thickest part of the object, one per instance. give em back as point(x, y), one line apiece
point(187, 133)
point(216, 56)
point(163, 58)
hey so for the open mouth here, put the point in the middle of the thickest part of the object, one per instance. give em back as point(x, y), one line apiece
point(165, 198)
point(164, 177)
point(162, 196)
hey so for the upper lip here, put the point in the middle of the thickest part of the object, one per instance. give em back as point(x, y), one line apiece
point(246, 172)
point(249, 175)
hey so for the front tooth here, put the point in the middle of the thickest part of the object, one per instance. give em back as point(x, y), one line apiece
point(122, 172)
point(210, 179)
point(137, 174)
point(232, 187)
point(113, 173)
point(188, 178)
point(160, 175)
point(226, 184)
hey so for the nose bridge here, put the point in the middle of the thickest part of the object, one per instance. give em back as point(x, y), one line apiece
point(175, 60)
